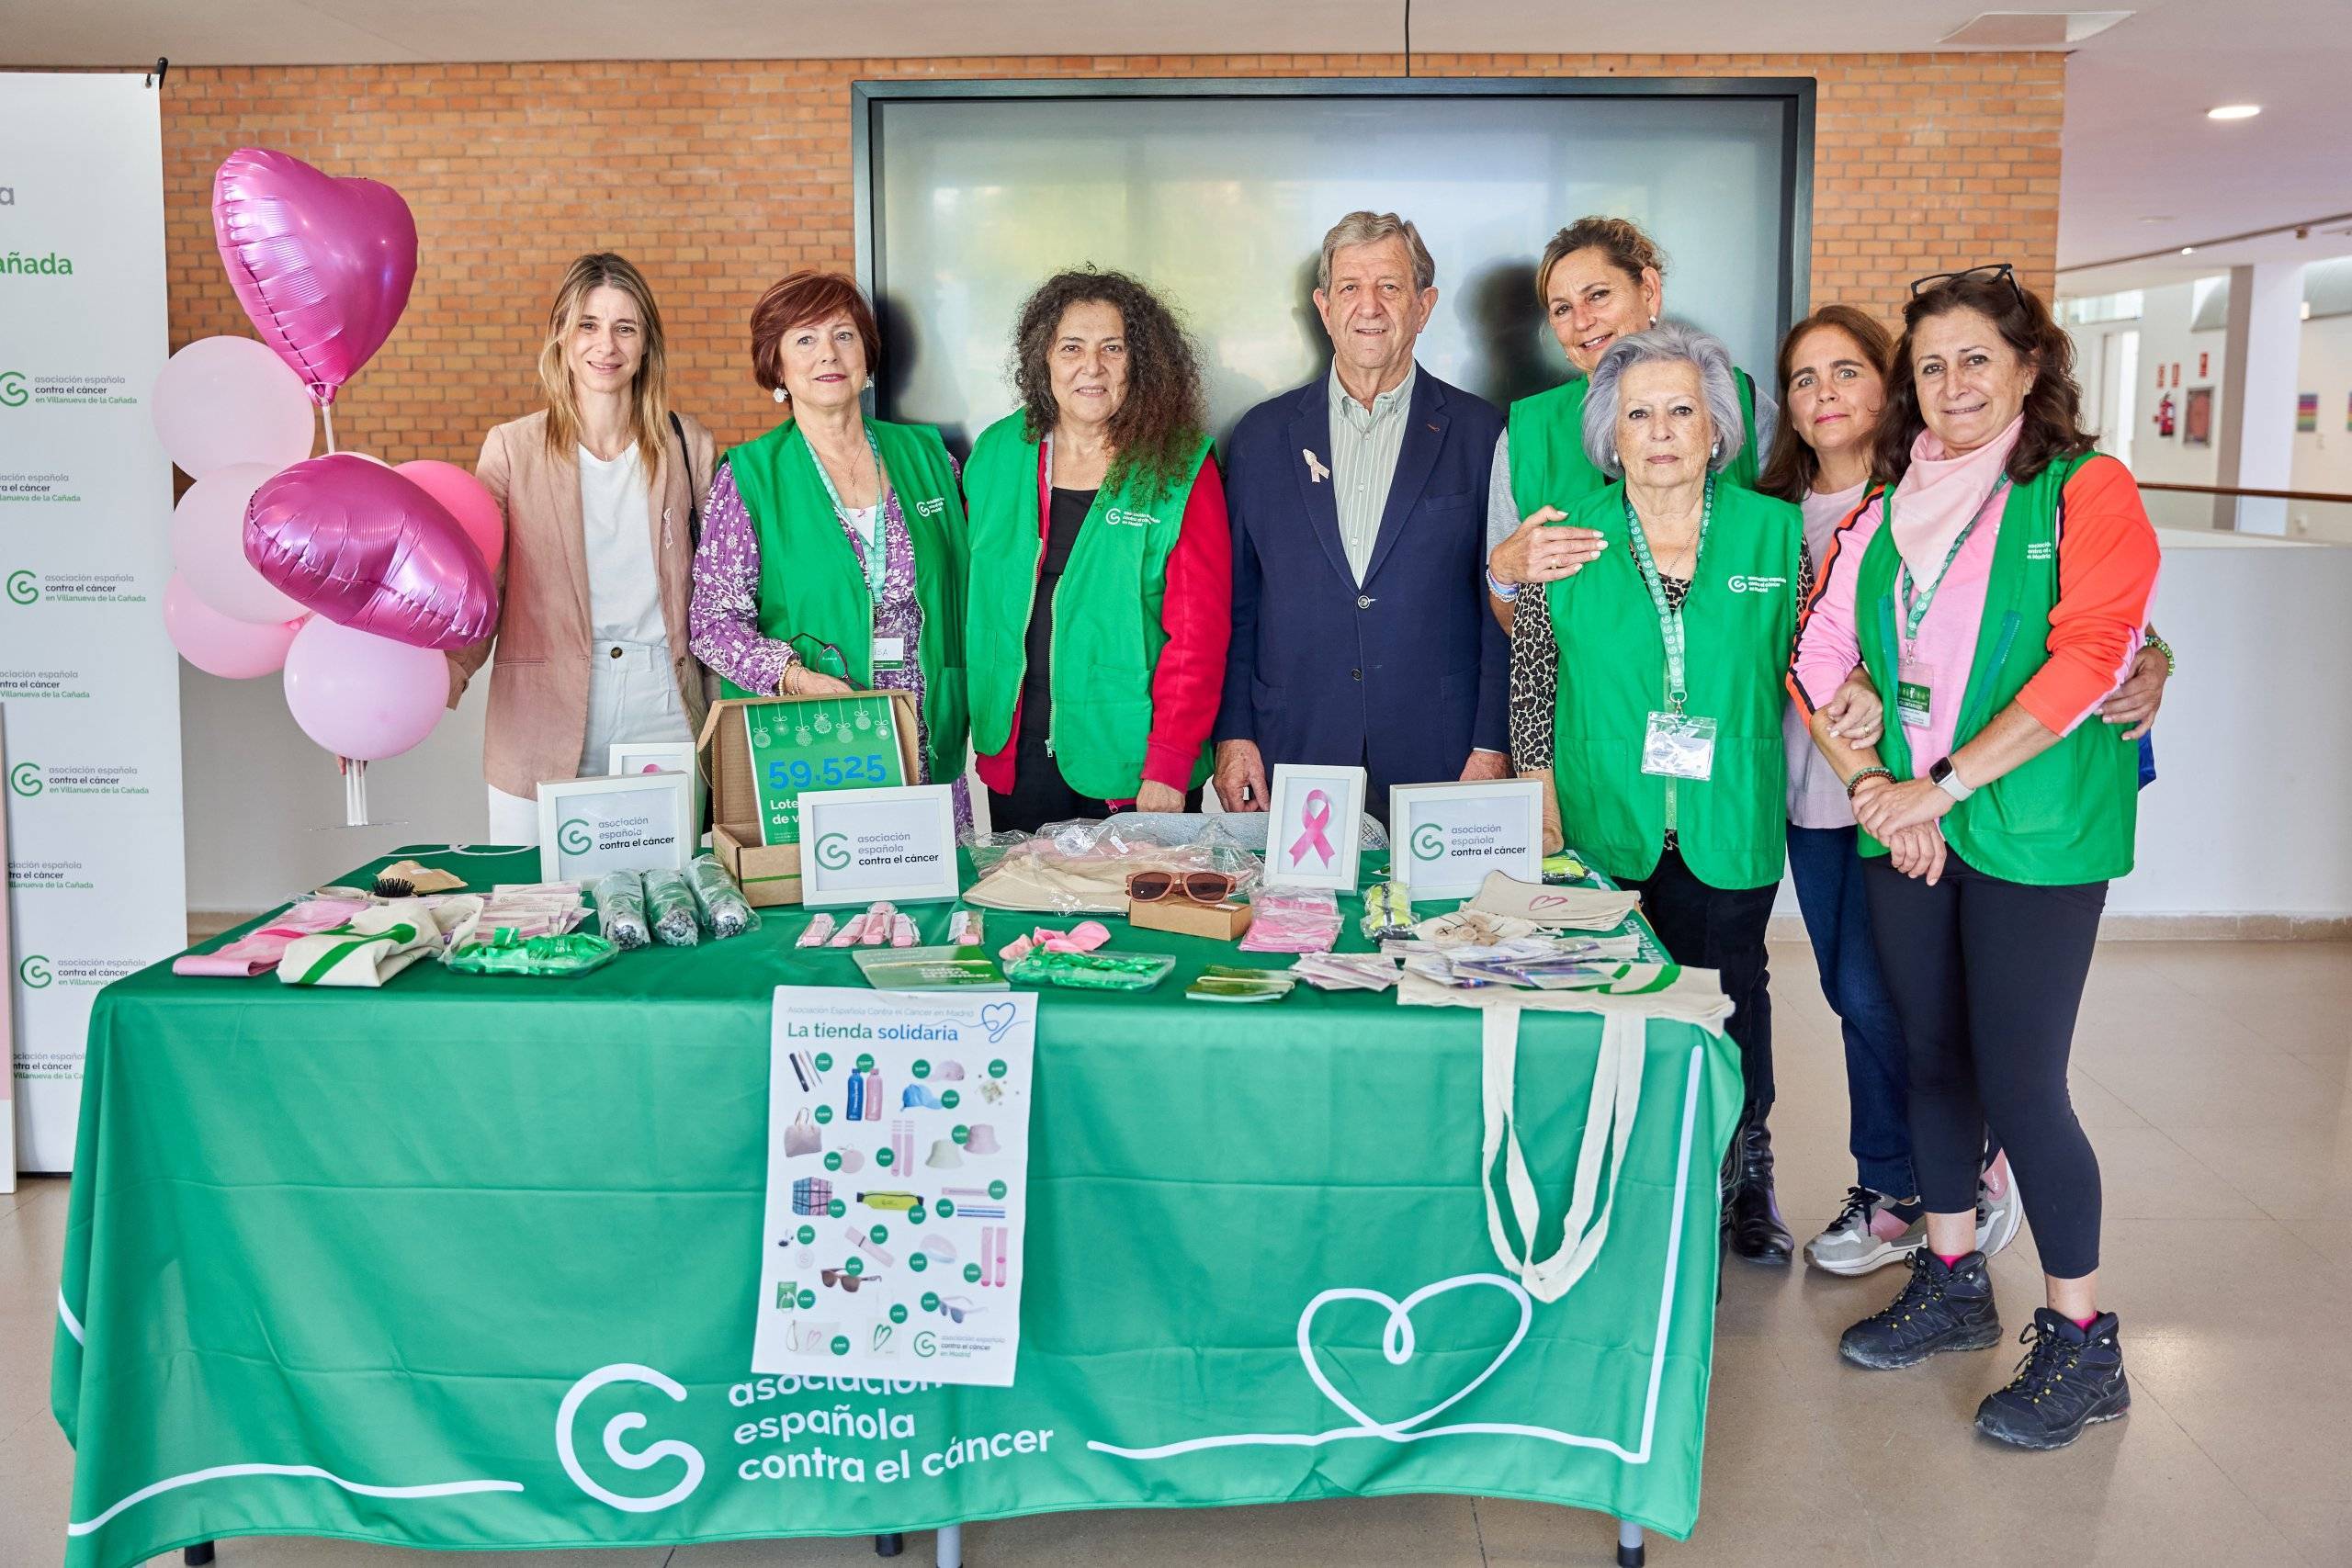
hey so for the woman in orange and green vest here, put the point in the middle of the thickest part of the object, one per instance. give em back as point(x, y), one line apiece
point(832, 555)
point(1601, 280)
point(1996, 593)
point(1647, 685)
point(1101, 581)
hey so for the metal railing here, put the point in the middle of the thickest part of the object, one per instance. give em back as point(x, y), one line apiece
point(2311, 516)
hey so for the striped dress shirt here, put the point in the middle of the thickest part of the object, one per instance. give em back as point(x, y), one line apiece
point(1364, 444)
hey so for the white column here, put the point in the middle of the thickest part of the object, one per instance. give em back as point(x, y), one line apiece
point(2256, 445)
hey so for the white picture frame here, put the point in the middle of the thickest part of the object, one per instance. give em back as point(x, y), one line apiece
point(625, 757)
point(641, 822)
point(1490, 825)
point(923, 814)
point(1293, 788)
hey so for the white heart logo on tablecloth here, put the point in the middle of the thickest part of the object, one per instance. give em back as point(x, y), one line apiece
point(1397, 1341)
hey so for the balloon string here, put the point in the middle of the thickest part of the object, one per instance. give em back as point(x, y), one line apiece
point(326, 412)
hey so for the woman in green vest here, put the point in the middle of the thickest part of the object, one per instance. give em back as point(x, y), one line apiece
point(1102, 583)
point(1600, 281)
point(1647, 686)
point(1996, 594)
point(832, 555)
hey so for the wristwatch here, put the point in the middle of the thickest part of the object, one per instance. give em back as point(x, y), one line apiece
point(1945, 777)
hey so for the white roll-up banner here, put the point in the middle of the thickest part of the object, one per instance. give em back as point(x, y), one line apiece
point(89, 685)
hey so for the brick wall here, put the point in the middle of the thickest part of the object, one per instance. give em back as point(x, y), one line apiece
point(512, 170)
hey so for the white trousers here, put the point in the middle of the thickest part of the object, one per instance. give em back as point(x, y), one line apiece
point(631, 697)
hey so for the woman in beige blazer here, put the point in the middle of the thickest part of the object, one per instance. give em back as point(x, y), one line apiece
point(601, 492)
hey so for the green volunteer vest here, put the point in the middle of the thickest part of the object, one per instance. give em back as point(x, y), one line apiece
point(1107, 635)
point(2070, 814)
point(811, 584)
point(1548, 467)
point(1739, 623)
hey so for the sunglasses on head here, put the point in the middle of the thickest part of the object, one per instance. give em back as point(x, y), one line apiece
point(842, 1278)
point(1200, 887)
point(1994, 271)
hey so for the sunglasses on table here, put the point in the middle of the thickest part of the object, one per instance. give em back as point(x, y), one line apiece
point(1200, 887)
point(1995, 272)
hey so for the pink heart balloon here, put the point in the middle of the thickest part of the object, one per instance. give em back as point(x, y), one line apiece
point(322, 265)
point(368, 548)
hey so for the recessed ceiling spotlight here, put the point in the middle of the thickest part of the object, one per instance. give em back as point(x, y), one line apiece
point(2160, 218)
point(2234, 112)
point(2188, 250)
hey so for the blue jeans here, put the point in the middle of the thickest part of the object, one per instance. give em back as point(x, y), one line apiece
point(1829, 874)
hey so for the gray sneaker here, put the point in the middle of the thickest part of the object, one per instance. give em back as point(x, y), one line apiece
point(1867, 1233)
point(1999, 1211)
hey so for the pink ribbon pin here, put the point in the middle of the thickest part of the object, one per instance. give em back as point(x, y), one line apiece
point(1317, 816)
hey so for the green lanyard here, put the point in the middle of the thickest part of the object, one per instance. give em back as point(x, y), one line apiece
point(1670, 617)
point(877, 543)
point(1916, 600)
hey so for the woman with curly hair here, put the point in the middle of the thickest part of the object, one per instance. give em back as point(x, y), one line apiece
point(1101, 584)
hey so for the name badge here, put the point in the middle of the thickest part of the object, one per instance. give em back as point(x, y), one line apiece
point(889, 652)
point(1678, 746)
point(1915, 682)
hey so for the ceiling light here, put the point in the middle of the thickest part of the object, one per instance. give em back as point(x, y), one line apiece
point(2160, 218)
point(2188, 250)
point(2032, 29)
point(2234, 112)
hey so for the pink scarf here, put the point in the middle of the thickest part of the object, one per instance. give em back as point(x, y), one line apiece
point(1938, 494)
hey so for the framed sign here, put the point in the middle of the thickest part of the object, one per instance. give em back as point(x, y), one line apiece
point(1312, 825)
point(588, 827)
point(859, 845)
point(661, 757)
point(1446, 837)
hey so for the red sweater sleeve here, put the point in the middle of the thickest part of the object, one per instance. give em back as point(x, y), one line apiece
point(1197, 613)
point(2108, 559)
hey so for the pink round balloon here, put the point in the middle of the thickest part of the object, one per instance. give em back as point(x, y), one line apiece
point(225, 401)
point(473, 506)
point(216, 644)
point(209, 547)
point(322, 265)
point(365, 546)
point(362, 697)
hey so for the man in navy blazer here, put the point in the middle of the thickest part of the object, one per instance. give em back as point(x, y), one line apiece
point(1360, 634)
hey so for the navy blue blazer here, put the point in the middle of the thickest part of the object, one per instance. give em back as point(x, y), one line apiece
point(1405, 674)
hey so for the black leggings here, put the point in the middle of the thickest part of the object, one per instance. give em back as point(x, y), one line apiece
point(1987, 977)
point(1723, 929)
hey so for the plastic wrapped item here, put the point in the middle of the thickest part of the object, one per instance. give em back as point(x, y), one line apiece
point(542, 957)
point(719, 899)
point(1292, 919)
point(1092, 971)
point(1388, 912)
point(1069, 868)
point(669, 909)
point(819, 930)
point(620, 910)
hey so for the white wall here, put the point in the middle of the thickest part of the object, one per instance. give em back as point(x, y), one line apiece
point(265, 806)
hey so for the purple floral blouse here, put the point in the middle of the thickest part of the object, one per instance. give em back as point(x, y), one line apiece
point(723, 613)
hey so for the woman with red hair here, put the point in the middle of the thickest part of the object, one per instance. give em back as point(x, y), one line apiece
point(834, 559)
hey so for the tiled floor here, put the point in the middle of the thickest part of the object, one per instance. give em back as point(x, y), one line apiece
point(2214, 1079)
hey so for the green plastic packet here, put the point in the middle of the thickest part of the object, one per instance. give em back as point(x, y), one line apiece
point(541, 957)
point(1092, 971)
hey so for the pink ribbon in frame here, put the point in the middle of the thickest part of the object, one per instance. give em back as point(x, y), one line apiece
point(1317, 816)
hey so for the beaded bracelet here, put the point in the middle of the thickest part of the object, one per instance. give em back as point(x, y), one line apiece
point(2172, 665)
point(1856, 782)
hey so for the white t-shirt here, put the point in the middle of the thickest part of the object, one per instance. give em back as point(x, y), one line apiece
point(616, 526)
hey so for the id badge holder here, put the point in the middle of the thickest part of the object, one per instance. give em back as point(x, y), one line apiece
point(1915, 682)
point(1678, 746)
point(889, 652)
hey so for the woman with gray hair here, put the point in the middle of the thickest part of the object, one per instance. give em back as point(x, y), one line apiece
point(1648, 688)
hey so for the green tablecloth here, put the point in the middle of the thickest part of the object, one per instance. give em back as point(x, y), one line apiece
point(349, 1263)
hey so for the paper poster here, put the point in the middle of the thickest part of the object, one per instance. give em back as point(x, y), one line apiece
point(898, 1185)
point(1448, 837)
point(847, 743)
point(640, 822)
point(866, 845)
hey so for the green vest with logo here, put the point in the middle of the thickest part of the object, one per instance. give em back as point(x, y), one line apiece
point(1548, 467)
point(1739, 621)
point(813, 590)
point(1107, 634)
point(2069, 814)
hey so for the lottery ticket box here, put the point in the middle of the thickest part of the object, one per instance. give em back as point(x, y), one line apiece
point(770, 872)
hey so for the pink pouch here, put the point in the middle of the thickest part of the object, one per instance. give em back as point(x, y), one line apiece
point(257, 951)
